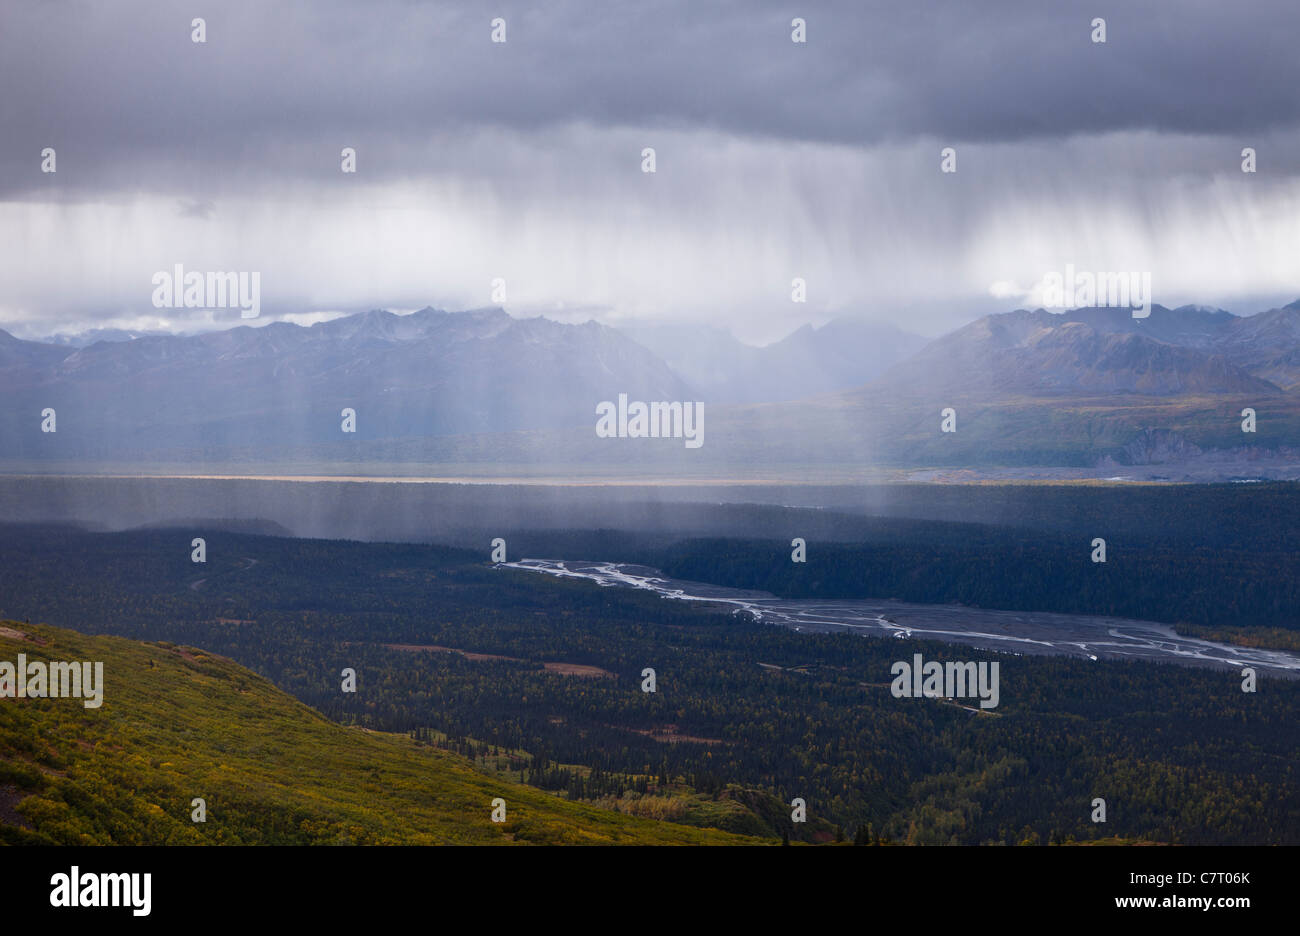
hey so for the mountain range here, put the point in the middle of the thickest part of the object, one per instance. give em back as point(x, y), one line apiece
point(1173, 352)
point(1088, 387)
point(430, 373)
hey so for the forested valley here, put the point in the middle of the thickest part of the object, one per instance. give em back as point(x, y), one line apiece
point(541, 679)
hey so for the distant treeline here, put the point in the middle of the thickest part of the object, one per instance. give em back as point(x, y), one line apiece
point(1220, 556)
point(993, 568)
point(1264, 517)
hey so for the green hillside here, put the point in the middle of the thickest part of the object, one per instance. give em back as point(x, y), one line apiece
point(177, 723)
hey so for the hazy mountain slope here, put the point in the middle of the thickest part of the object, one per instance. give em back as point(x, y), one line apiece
point(843, 353)
point(177, 723)
point(90, 336)
point(1190, 326)
point(1268, 345)
point(427, 374)
point(16, 353)
point(1039, 352)
point(708, 359)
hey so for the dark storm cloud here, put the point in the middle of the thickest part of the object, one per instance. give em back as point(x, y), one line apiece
point(521, 161)
point(130, 102)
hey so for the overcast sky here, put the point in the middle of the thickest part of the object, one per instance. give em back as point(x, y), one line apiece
point(522, 160)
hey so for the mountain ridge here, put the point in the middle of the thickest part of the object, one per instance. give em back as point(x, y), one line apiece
point(479, 387)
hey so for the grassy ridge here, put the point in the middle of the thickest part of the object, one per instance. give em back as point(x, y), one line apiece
point(178, 723)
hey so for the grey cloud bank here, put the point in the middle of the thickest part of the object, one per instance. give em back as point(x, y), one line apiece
point(521, 160)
